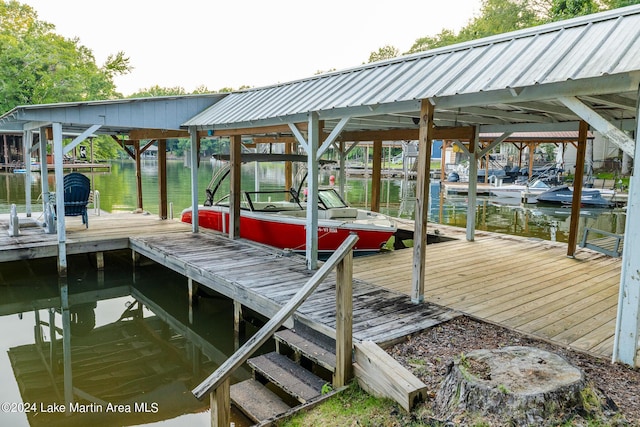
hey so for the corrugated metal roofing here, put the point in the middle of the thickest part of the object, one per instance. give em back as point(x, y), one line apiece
point(592, 46)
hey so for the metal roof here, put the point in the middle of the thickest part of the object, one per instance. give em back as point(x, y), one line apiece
point(513, 77)
point(117, 116)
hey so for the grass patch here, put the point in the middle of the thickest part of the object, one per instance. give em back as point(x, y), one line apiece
point(351, 407)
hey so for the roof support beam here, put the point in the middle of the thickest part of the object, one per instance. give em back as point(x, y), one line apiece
point(299, 137)
point(422, 201)
point(577, 189)
point(27, 141)
point(59, 174)
point(333, 135)
point(473, 187)
point(78, 139)
point(311, 252)
point(608, 130)
point(194, 178)
point(235, 190)
point(625, 343)
point(498, 140)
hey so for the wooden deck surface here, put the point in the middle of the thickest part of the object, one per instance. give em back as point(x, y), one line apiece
point(523, 284)
point(263, 279)
point(527, 285)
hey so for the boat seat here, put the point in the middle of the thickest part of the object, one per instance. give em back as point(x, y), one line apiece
point(336, 213)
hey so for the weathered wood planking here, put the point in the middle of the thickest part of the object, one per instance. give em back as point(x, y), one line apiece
point(264, 280)
point(523, 284)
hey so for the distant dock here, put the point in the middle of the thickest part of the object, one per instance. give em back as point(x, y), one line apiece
point(79, 166)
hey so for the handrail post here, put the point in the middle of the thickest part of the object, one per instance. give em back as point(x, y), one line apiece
point(220, 403)
point(344, 320)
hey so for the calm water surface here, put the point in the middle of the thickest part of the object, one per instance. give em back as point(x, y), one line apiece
point(133, 337)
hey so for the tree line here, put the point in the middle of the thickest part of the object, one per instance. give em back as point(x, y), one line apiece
point(39, 66)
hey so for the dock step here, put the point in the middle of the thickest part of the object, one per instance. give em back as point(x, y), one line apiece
point(308, 347)
point(292, 378)
point(256, 401)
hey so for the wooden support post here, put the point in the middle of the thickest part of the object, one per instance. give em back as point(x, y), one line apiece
point(221, 405)
point(577, 189)
point(376, 175)
point(288, 169)
point(135, 258)
point(344, 321)
point(195, 143)
point(234, 206)
point(472, 194)
point(342, 174)
point(162, 178)
point(238, 319)
point(136, 146)
point(60, 224)
point(443, 168)
point(625, 343)
point(239, 325)
point(311, 239)
point(193, 290)
point(100, 261)
point(27, 142)
point(422, 200)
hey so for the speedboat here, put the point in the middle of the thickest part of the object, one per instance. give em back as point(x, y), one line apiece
point(528, 191)
point(563, 195)
point(278, 218)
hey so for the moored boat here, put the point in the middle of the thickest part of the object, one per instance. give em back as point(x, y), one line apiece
point(278, 218)
point(563, 195)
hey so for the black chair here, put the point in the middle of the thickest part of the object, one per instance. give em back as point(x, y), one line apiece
point(77, 189)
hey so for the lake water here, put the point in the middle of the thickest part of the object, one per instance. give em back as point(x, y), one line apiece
point(118, 193)
point(134, 339)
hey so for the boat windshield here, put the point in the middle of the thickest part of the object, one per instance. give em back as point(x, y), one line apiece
point(272, 201)
point(329, 199)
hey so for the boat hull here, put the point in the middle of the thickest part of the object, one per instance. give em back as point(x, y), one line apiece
point(563, 196)
point(289, 233)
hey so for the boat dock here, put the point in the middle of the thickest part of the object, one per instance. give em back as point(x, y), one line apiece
point(523, 284)
point(16, 167)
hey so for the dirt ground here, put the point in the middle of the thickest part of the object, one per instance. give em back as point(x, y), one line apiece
point(429, 353)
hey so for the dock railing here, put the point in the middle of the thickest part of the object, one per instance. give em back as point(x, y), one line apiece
point(218, 383)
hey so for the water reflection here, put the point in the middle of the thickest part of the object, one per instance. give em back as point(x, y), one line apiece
point(110, 351)
point(118, 192)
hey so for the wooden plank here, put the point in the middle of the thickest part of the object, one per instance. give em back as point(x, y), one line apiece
point(288, 375)
point(309, 348)
point(220, 405)
point(381, 375)
point(256, 401)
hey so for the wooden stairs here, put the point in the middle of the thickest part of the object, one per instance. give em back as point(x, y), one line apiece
point(292, 376)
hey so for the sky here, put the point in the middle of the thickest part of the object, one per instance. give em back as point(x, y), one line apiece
point(221, 44)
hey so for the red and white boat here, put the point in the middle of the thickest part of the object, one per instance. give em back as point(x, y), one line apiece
point(278, 218)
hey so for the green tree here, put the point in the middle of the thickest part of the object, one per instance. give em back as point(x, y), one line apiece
point(500, 16)
point(385, 52)
point(443, 38)
point(38, 66)
point(614, 4)
point(565, 9)
point(496, 17)
point(158, 91)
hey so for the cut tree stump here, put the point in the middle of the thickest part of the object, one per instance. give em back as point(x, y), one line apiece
point(523, 385)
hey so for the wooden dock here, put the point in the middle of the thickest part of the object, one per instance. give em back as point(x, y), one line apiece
point(524, 284)
point(236, 269)
point(527, 285)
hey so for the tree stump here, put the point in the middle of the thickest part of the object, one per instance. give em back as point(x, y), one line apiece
point(520, 385)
